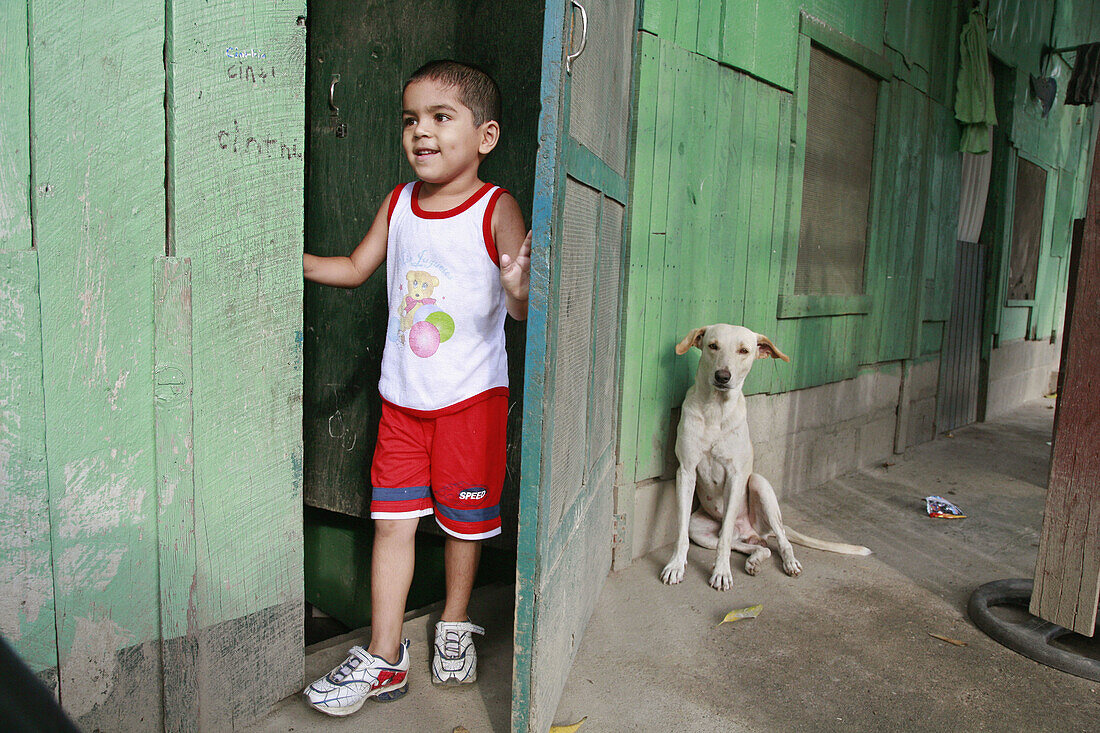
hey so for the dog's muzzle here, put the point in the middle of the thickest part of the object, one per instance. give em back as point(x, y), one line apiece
point(722, 379)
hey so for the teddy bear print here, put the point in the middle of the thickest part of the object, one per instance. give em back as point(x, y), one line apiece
point(421, 285)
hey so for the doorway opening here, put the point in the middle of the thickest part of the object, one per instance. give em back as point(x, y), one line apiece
point(358, 58)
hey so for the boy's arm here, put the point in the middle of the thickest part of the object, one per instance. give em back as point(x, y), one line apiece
point(353, 271)
point(514, 247)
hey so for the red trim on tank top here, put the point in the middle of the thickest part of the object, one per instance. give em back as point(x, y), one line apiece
point(449, 212)
point(487, 227)
point(450, 409)
point(393, 201)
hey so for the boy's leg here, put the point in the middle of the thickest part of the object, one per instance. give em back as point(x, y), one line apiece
point(392, 563)
point(400, 475)
point(460, 560)
point(467, 475)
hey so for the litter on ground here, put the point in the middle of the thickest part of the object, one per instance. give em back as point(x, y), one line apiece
point(949, 640)
point(941, 508)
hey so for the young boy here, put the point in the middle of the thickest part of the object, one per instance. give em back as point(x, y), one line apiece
point(457, 261)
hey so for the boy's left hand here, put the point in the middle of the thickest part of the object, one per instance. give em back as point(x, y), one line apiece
point(515, 274)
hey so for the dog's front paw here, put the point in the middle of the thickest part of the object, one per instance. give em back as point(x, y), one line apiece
point(752, 565)
point(673, 573)
point(792, 567)
point(721, 578)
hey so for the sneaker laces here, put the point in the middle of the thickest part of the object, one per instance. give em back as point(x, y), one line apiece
point(452, 636)
point(356, 657)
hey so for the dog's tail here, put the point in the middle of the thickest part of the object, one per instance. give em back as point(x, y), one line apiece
point(800, 539)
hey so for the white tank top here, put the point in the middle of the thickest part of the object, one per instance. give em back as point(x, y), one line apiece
point(445, 336)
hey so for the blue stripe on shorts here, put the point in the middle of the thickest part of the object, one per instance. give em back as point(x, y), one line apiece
point(402, 494)
point(477, 514)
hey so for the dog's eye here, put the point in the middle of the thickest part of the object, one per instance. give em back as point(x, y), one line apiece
point(742, 350)
point(712, 347)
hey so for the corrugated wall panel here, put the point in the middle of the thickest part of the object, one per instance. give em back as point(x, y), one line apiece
point(1018, 29)
point(1075, 22)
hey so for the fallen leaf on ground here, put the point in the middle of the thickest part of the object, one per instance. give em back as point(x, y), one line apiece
point(956, 642)
point(739, 613)
point(568, 728)
point(460, 729)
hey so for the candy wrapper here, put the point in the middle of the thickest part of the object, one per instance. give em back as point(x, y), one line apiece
point(941, 508)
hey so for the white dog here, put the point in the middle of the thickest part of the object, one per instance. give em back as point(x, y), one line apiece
point(713, 445)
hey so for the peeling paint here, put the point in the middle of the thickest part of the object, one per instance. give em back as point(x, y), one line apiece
point(85, 566)
point(89, 670)
point(98, 495)
point(24, 589)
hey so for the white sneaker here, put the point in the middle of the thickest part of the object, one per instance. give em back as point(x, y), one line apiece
point(362, 675)
point(455, 660)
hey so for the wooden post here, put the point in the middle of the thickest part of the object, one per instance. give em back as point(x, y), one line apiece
point(1067, 573)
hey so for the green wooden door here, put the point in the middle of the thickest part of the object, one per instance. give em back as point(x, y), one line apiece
point(570, 387)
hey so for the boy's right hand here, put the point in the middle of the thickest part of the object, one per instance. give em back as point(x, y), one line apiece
point(515, 274)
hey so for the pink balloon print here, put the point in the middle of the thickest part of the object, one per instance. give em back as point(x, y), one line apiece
point(423, 339)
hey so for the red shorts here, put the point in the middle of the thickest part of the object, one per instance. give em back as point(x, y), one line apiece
point(451, 465)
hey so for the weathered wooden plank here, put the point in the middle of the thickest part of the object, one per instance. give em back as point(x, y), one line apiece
point(173, 382)
point(1067, 571)
point(636, 295)
point(686, 34)
point(775, 54)
point(678, 283)
point(657, 349)
point(709, 156)
point(884, 178)
point(659, 17)
point(759, 300)
point(739, 39)
point(236, 169)
point(709, 35)
point(752, 107)
point(799, 120)
point(98, 156)
point(782, 227)
point(721, 255)
point(537, 391)
point(26, 570)
point(896, 281)
point(15, 160)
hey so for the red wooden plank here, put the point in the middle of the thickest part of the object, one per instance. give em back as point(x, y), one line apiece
point(1067, 573)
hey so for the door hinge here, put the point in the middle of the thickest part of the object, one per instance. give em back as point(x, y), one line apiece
point(618, 529)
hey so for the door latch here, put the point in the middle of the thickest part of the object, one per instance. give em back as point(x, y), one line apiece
point(341, 128)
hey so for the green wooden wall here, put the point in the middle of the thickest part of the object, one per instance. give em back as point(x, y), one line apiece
point(721, 97)
point(150, 352)
point(1059, 144)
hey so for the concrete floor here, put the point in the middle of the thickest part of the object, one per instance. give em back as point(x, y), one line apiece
point(845, 646)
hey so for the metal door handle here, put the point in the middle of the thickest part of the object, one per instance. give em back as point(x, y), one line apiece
point(584, 38)
point(332, 94)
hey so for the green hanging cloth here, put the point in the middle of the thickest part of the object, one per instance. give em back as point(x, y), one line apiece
point(974, 95)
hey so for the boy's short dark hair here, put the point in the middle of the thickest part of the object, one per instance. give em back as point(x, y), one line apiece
point(476, 89)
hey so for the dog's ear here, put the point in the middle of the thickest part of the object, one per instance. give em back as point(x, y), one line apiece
point(694, 338)
point(766, 349)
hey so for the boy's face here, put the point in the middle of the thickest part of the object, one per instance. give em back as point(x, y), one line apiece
point(438, 133)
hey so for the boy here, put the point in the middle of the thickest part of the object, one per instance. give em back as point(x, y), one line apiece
point(444, 381)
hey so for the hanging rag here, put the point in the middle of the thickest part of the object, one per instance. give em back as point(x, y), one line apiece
point(974, 91)
point(1084, 83)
